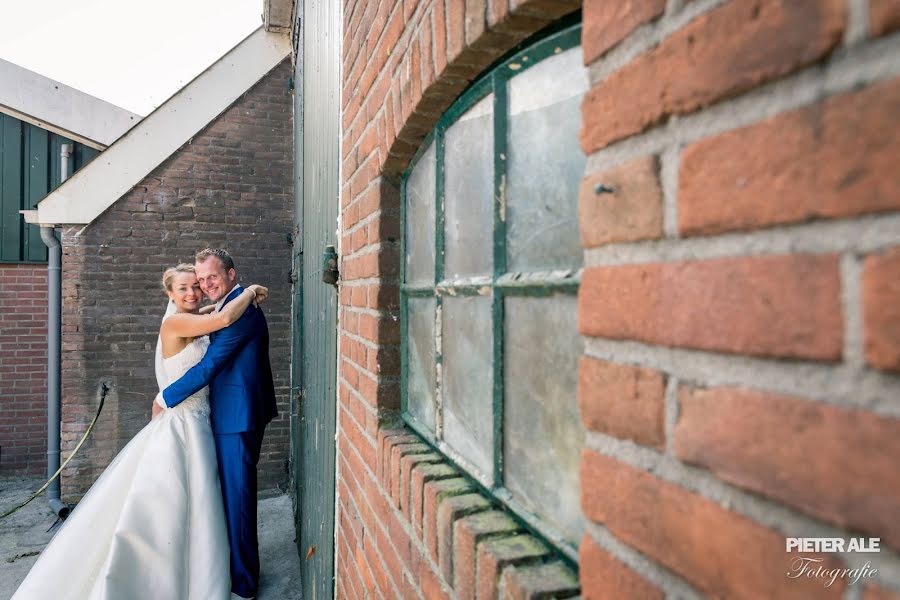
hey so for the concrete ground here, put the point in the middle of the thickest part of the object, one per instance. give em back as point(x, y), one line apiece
point(24, 534)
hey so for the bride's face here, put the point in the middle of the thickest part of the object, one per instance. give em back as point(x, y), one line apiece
point(186, 292)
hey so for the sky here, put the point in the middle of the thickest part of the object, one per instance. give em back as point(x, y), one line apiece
point(134, 54)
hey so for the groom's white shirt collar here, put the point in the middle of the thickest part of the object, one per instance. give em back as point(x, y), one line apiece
point(221, 302)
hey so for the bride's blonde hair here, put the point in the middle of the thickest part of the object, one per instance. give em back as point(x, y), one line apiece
point(171, 272)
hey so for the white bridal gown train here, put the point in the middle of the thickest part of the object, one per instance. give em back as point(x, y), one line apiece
point(152, 525)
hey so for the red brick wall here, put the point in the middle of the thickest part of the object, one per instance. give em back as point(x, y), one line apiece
point(738, 304)
point(758, 311)
point(408, 524)
point(23, 369)
point(230, 186)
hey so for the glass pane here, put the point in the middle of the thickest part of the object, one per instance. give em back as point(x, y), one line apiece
point(469, 192)
point(420, 361)
point(420, 220)
point(467, 380)
point(543, 435)
point(546, 164)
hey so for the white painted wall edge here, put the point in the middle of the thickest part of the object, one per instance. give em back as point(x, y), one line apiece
point(51, 105)
point(93, 189)
point(277, 15)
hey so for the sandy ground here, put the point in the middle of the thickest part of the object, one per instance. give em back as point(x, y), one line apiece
point(24, 534)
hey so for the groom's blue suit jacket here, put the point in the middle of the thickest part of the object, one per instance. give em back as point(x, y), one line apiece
point(236, 368)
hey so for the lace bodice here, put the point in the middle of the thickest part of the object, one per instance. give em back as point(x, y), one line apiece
point(178, 365)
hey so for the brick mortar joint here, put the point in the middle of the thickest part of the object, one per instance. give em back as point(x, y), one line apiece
point(839, 384)
point(493, 503)
point(858, 27)
point(867, 64)
point(412, 30)
point(379, 248)
point(645, 567)
point(375, 215)
point(360, 426)
point(769, 514)
point(370, 282)
point(368, 343)
point(372, 312)
point(648, 36)
point(347, 178)
point(851, 275)
point(384, 531)
point(359, 397)
point(422, 551)
point(353, 363)
point(370, 60)
point(861, 234)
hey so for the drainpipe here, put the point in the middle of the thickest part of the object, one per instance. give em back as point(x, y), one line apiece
point(54, 359)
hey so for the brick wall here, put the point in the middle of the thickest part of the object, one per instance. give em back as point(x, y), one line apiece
point(741, 362)
point(408, 524)
point(230, 186)
point(738, 305)
point(23, 369)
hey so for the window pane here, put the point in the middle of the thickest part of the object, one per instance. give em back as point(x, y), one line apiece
point(420, 211)
point(420, 361)
point(543, 435)
point(546, 164)
point(467, 380)
point(469, 192)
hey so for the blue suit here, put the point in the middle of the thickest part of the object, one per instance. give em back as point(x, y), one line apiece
point(242, 399)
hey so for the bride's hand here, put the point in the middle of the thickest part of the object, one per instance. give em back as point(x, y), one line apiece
point(262, 293)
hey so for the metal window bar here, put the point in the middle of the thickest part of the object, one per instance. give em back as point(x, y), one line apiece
point(500, 285)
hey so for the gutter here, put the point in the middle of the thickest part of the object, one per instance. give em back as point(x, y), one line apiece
point(54, 356)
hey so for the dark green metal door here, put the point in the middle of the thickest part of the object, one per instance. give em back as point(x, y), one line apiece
point(317, 98)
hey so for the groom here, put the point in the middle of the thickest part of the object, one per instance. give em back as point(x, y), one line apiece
point(242, 400)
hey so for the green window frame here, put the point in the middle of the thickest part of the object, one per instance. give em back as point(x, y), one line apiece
point(503, 283)
point(29, 170)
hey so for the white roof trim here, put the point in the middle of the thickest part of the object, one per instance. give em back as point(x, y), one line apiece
point(41, 101)
point(93, 189)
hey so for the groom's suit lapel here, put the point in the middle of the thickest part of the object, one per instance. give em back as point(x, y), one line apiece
point(231, 296)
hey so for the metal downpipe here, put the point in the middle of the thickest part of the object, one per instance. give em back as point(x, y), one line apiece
point(54, 355)
point(54, 402)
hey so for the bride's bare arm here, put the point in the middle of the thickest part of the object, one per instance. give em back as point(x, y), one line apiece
point(188, 325)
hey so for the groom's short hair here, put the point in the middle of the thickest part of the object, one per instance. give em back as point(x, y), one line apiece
point(219, 253)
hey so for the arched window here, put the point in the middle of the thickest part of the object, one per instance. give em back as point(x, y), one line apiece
point(491, 268)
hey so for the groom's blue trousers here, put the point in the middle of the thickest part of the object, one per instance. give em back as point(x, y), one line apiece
point(238, 454)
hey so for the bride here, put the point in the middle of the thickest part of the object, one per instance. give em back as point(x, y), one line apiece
point(153, 525)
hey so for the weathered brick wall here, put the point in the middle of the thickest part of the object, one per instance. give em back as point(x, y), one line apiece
point(230, 186)
point(23, 369)
point(739, 301)
point(408, 524)
point(742, 344)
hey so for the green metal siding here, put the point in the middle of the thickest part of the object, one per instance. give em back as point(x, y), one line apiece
point(10, 188)
point(29, 170)
point(317, 123)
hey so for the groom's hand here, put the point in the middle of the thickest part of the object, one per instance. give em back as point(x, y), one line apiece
point(155, 410)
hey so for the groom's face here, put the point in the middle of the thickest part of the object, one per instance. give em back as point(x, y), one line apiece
point(215, 280)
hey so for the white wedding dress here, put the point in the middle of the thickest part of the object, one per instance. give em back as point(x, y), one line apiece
point(152, 525)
